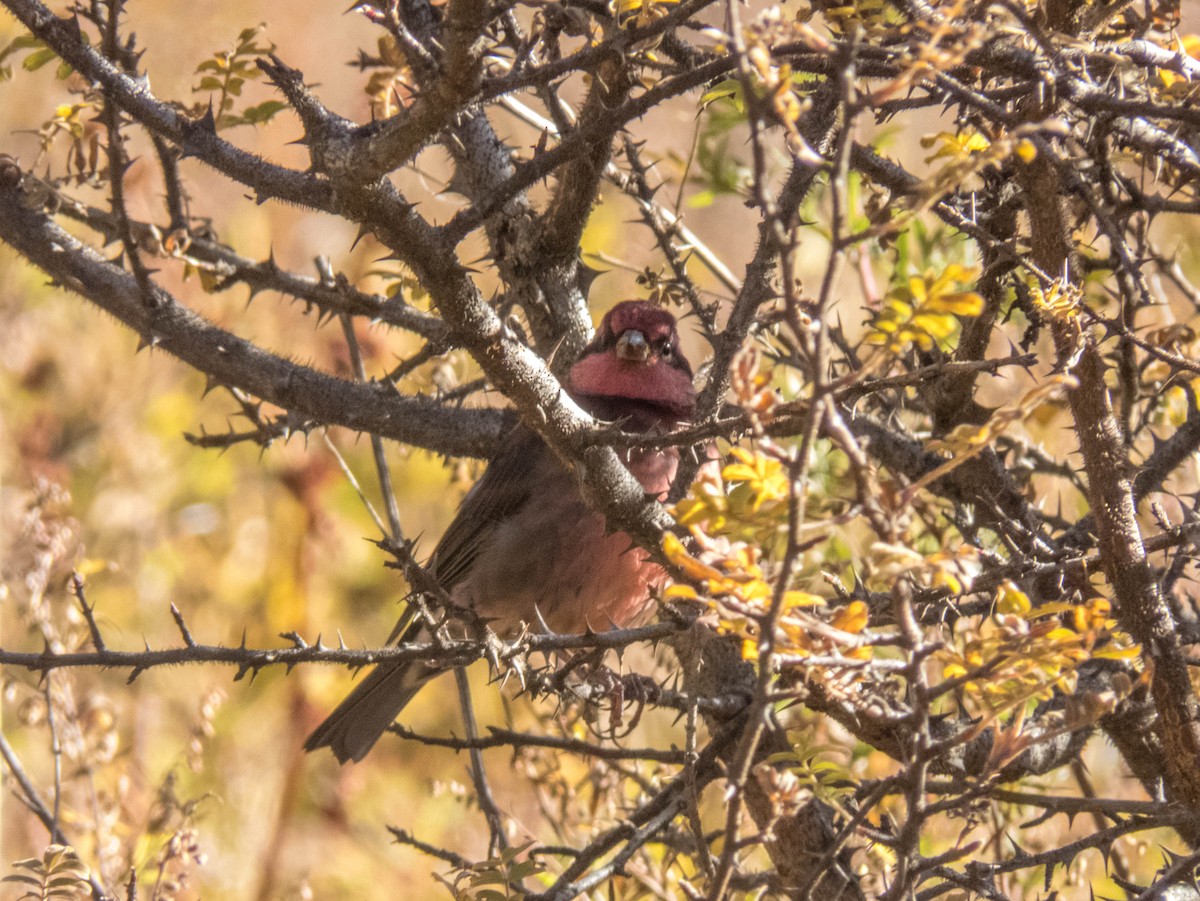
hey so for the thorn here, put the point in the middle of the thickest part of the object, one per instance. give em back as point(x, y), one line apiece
point(585, 275)
point(458, 184)
point(198, 131)
point(363, 231)
point(183, 629)
point(88, 611)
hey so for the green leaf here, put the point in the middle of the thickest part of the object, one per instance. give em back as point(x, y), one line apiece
point(35, 61)
point(21, 42)
point(490, 877)
point(730, 88)
point(23, 879)
point(262, 112)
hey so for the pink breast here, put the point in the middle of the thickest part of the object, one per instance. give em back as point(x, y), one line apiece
point(552, 561)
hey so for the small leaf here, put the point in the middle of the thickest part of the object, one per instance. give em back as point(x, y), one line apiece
point(262, 112)
point(802, 599)
point(852, 618)
point(36, 60)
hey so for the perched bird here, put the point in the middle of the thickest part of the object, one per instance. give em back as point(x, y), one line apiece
point(524, 547)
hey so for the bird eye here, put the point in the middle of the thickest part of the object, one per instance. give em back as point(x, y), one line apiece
point(666, 351)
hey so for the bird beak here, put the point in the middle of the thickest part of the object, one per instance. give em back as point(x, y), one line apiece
point(633, 346)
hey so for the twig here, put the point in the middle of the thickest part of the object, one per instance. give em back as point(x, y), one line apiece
point(32, 799)
point(498, 840)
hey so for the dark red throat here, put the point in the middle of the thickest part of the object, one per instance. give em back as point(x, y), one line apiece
point(660, 385)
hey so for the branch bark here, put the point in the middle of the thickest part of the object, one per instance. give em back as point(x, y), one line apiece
point(1139, 604)
point(229, 360)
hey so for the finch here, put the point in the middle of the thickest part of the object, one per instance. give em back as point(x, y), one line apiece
point(524, 547)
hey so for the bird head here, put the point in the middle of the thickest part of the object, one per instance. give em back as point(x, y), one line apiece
point(635, 356)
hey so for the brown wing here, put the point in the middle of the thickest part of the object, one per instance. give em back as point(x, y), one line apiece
point(510, 481)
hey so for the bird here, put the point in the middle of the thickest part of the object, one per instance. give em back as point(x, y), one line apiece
point(524, 549)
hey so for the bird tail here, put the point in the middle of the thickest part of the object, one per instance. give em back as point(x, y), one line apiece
point(359, 721)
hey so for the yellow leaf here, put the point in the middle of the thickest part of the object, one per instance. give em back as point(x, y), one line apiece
point(673, 547)
point(1062, 636)
point(923, 310)
point(1113, 652)
point(739, 472)
point(680, 591)
point(943, 578)
point(953, 274)
point(852, 618)
point(963, 303)
point(677, 554)
point(938, 325)
point(975, 143)
point(1011, 600)
point(802, 599)
point(959, 146)
point(91, 566)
